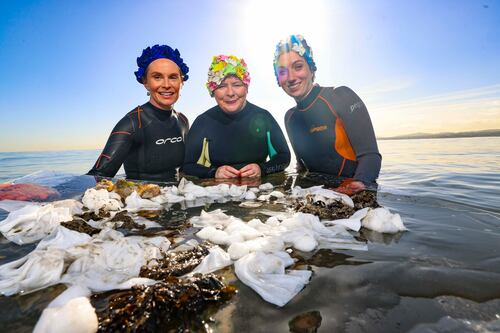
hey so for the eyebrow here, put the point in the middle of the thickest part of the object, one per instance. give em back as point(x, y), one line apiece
point(293, 63)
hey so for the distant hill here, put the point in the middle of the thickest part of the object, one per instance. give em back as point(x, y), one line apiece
point(469, 134)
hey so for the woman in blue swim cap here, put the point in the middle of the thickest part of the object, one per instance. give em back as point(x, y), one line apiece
point(149, 140)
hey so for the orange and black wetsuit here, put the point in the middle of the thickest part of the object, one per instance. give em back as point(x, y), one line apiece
point(249, 136)
point(148, 141)
point(331, 132)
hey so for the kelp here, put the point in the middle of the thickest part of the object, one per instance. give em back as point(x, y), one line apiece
point(175, 263)
point(173, 305)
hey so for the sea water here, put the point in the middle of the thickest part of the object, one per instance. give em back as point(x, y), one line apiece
point(442, 275)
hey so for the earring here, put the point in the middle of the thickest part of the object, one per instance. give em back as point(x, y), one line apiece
point(148, 93)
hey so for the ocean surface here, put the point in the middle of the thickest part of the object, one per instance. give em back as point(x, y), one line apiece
point(443, 275)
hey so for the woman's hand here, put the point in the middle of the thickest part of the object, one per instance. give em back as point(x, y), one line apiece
point(350, 187)
point(250, 170)
point(227, 171)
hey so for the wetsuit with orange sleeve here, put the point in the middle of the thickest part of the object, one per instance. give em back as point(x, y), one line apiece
point(248, 136)
point(148, 141)
point(331, 132)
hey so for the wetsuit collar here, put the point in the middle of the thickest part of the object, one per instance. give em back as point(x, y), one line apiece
point(159, 113)
point(236, 113)
point(306, 101)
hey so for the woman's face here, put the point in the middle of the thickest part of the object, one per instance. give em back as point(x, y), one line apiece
point(294, 75)
point(163, 80)
point(231, 94)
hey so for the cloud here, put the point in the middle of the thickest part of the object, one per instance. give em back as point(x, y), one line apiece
point(464, 110)
point(385, 86)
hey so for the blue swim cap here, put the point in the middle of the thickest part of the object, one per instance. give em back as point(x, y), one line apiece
point(150, 54)
point(298, 44)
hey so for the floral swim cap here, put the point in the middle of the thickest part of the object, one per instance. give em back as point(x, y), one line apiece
point(222, 66)
point(295, 43)
point(150, 54)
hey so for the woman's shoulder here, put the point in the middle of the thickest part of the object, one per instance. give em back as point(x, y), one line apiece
point(205, 116)
point(343, 91)
point(258, 109)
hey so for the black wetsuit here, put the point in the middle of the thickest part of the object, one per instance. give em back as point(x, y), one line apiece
point(236, 139)
point(148, 141)
point(331, 132)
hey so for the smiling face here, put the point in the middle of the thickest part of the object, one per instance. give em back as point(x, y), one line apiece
point(231, 94)
point(163, 80)
point(294, 75)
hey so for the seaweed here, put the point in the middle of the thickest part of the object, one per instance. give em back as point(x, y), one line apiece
point(174, 263)
point(173, 305)
point(81, 226)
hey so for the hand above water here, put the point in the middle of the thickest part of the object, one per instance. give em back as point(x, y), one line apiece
point(250, 170)
point(227, 171)
point(350, 187)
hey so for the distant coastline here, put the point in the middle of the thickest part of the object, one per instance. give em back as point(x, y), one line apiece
point(444, 135)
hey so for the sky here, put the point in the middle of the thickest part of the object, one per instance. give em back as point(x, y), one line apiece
point(420, 66)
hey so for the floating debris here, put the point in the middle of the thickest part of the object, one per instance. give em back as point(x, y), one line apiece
point(335, 209)
point(174, 263)
point(250, 204)
point(365, 199)
point(175, 304)
point(91, 215)
point(332, 211)
point(81, 225)
point(127, 221)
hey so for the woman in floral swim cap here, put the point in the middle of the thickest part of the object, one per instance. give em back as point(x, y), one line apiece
point(330, 128)
point(235, 138)
point(149, 140)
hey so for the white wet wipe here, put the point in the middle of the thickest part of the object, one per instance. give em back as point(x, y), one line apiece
point(322, 194)
point(33, 222)
point(266, 275)
point(71, 311)
point(215, 260)
point(383, 221)
point(102, 262)
point(101, 199)
point(135, 203)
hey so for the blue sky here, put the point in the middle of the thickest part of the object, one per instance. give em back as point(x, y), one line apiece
point(420, 66)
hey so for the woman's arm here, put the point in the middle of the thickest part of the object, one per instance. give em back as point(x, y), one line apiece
point(360, 131)
point(116, 150)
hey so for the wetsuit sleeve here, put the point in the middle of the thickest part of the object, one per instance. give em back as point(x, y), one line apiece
point(279, 154)
point(194, 147)
point(116, 150)
point(359, 128)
